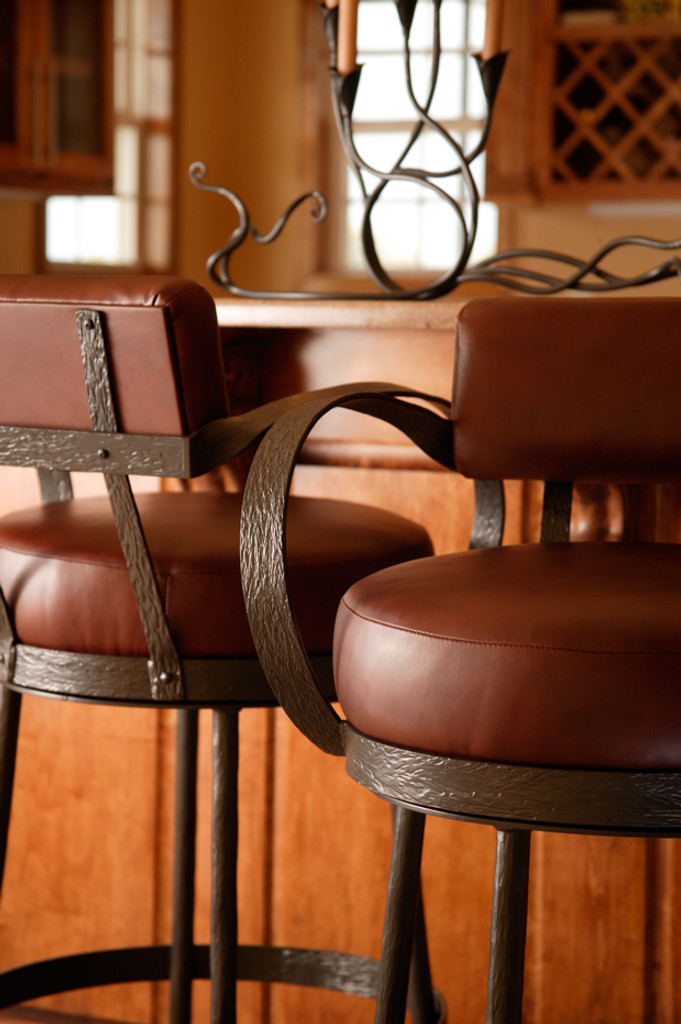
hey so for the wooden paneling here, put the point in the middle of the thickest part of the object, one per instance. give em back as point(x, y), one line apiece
point(84, 842)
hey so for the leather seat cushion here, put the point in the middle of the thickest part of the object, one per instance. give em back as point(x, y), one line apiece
point(64, 577)
point(556, 655)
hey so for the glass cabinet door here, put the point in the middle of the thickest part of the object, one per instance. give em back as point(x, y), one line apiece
point(7, 72)
point(56, 109)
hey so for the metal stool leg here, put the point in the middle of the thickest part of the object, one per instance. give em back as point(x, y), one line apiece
point(181, 953)
point(400, 916)
point(223, 931)
point(10, 707)
point(421, 1000)
point(509, 924)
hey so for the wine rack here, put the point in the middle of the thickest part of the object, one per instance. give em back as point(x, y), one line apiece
point(615, 123)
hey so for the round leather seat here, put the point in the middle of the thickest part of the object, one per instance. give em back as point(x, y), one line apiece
point(55, 558)
point(552, 655)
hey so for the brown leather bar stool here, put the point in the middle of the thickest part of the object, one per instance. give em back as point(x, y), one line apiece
point(529, 687)
point(137, 600)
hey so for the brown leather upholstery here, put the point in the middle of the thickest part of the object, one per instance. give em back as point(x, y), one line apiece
point(554, 389)
point(535, 654)
point(162, 340)
point(63, 575)
point(566, 654)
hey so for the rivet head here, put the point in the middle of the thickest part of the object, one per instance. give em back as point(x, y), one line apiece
point(89, 325)
point(103, 453)
point(163, 677)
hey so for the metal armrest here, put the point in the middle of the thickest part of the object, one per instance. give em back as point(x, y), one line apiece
point(263, 538)
point(222, 440)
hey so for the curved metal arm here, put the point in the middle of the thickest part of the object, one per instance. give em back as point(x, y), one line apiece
point(263, 543)
point(220, 441)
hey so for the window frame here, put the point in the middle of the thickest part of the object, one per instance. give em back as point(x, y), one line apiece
point(144, 31)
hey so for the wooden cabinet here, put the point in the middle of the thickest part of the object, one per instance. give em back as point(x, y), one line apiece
point(599, 113)
point(56, 110)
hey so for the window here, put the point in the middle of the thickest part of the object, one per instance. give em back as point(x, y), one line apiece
point(413, 229)
point(133, 226)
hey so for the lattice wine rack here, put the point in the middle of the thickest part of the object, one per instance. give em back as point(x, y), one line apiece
point(616, 111)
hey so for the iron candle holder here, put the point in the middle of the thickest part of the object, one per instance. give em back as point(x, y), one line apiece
point(506, 268)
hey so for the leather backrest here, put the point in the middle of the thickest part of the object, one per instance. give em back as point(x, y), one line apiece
point(162, 340)
point(569, 389)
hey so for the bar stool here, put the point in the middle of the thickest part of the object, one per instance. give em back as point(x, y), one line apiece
point(530, 687)
point(136, 600)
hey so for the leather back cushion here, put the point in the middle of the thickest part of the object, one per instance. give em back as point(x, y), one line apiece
point(569, 389)
point(162, 339)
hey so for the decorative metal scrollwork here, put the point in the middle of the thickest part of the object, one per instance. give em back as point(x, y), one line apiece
point(562, 271)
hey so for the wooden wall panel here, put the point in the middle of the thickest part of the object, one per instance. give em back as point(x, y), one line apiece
point(83, 843)
point(587, 929)
point(331, 856)
point(90, 854)
point(255, 840)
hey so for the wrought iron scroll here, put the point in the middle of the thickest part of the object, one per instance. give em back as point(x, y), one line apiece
point(550, 272)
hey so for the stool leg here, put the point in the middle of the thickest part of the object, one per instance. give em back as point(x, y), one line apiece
point(509, 923)
point(10, 707)
point(223, 928)
point(420, 1001)
point(181, 967)
point(400, 916)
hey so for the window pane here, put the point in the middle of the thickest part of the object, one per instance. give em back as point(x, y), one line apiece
point(83, 229)
point(121, 72)
point(476, 106)
point(414, 227)
point(448, 101)
point(488, 232)
point(421, 35)
point(381, 149)
point(453, 22)
point(476, 25)
point(160, 86)
point(158, 166)
point(126, 160)
point(382, 93)
point(441, 237)
point(378, 27)
point(76, 35)
point(157, 236)
point(133, 227)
